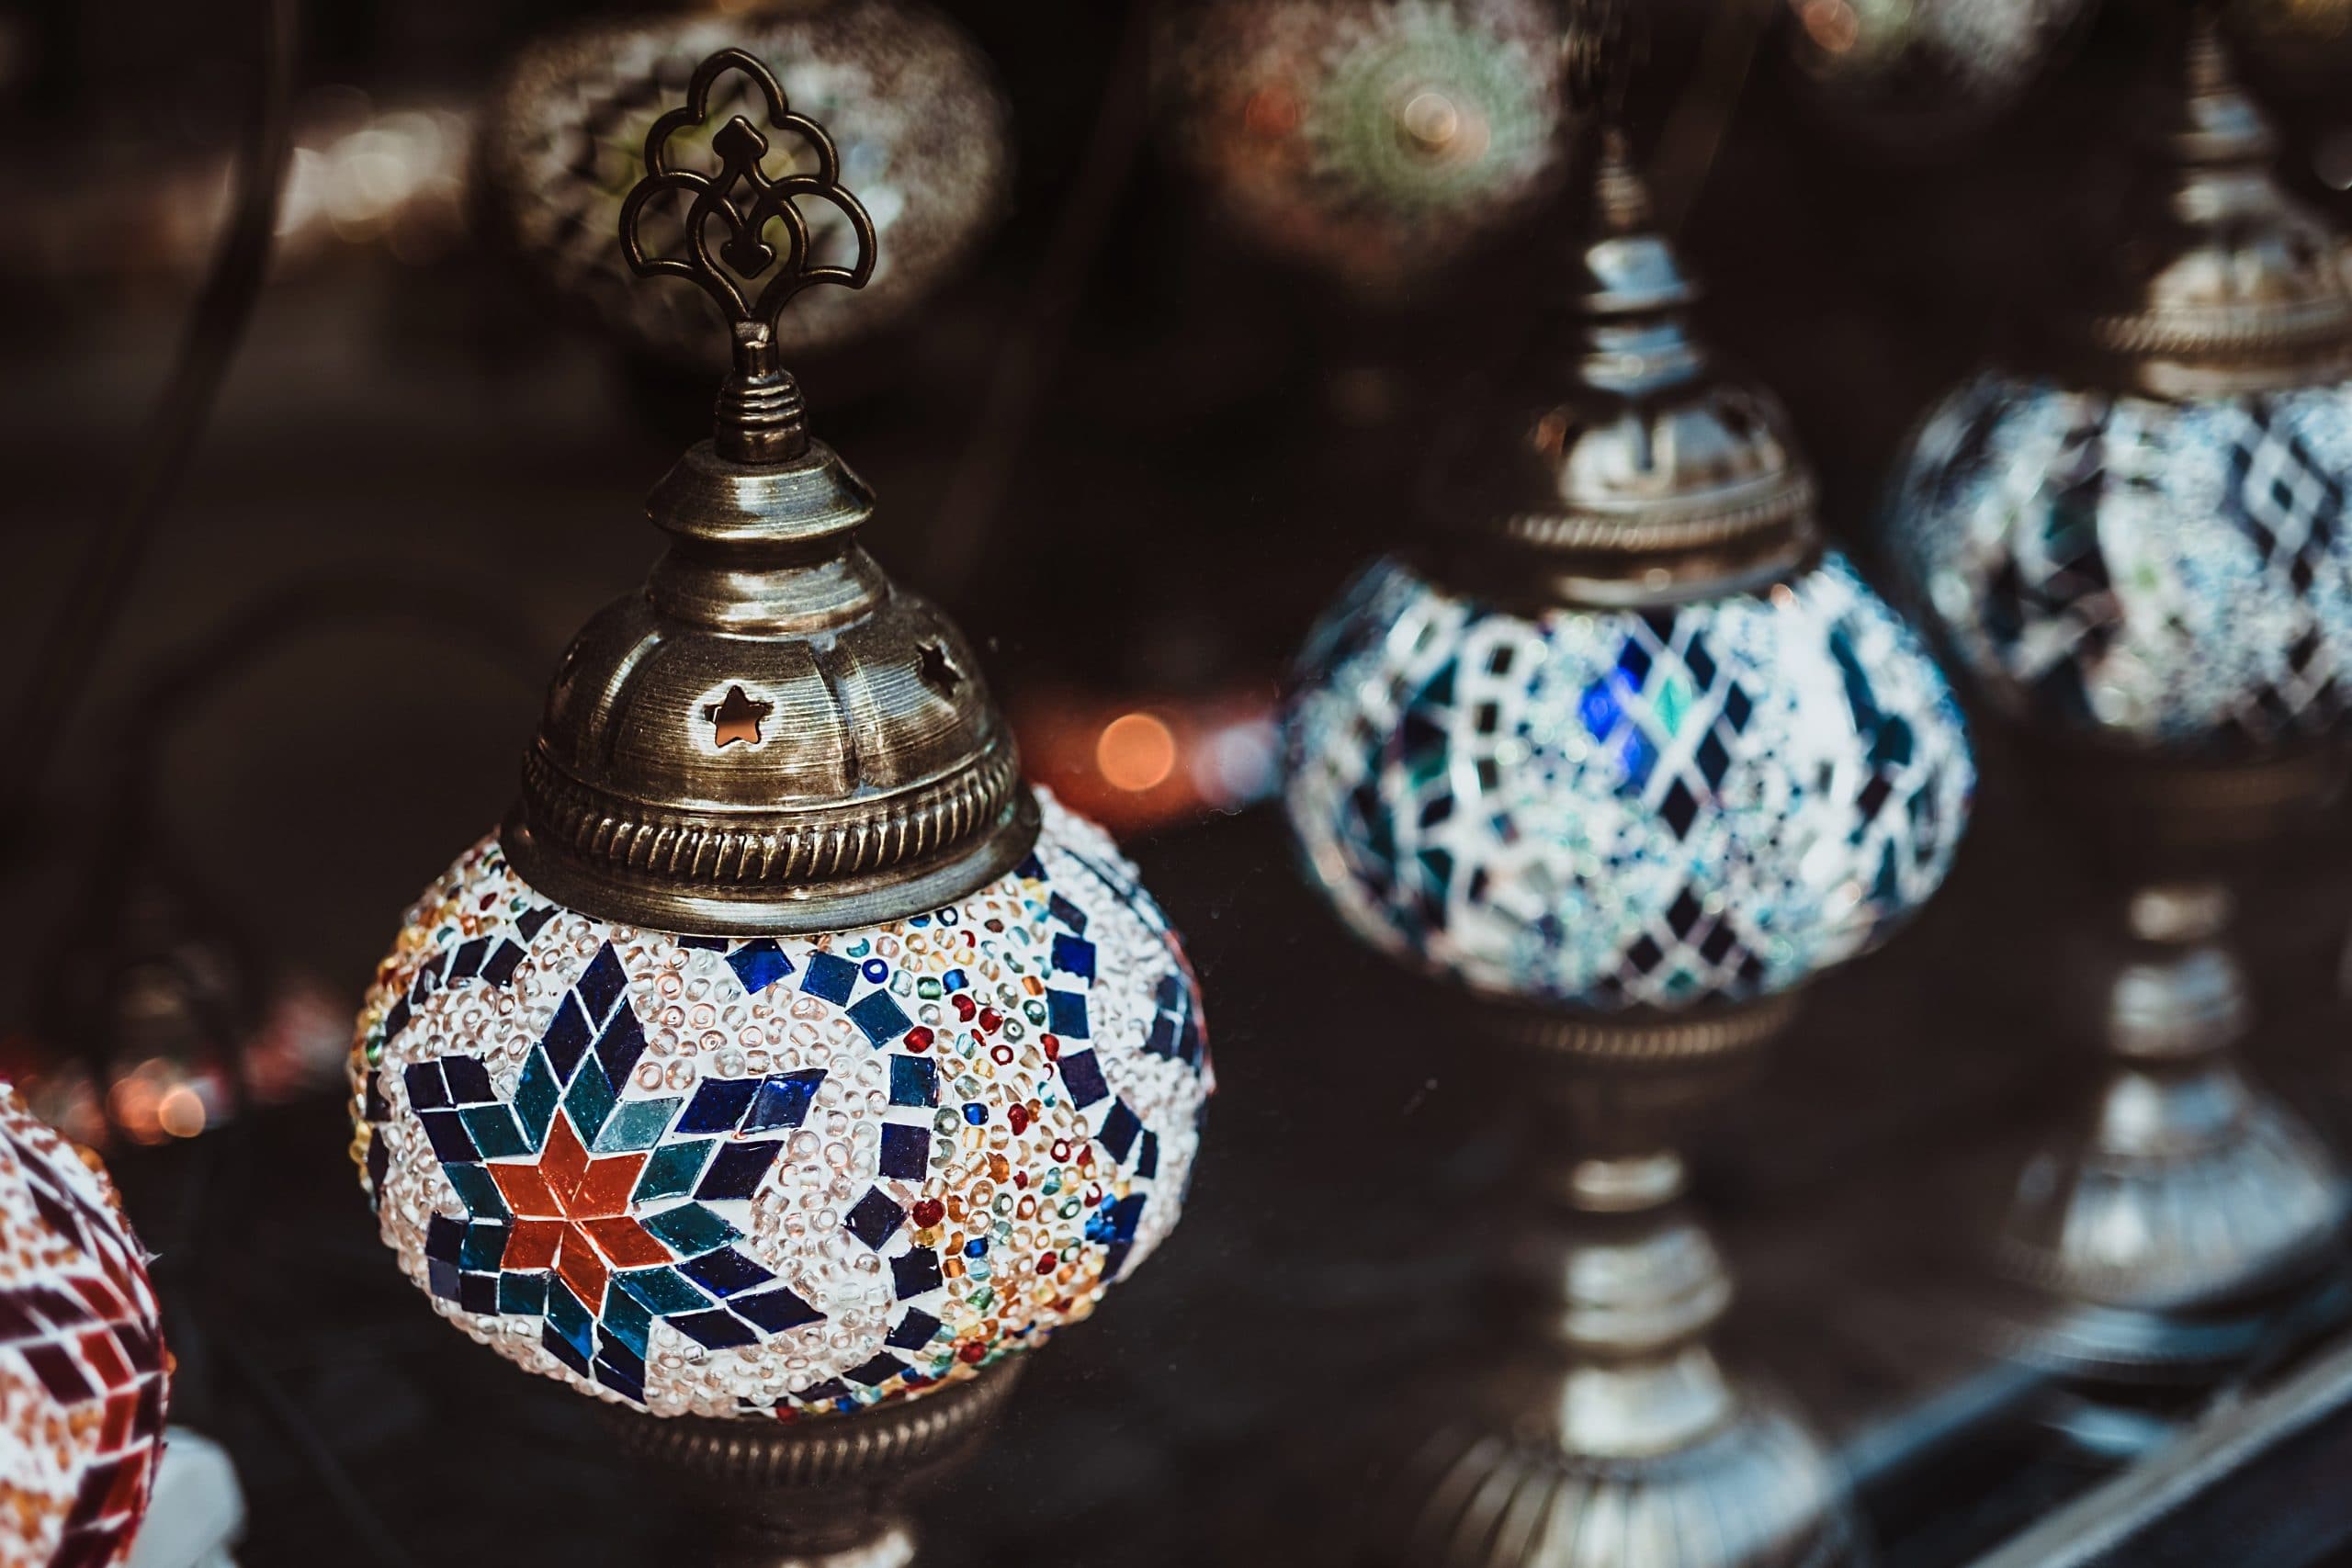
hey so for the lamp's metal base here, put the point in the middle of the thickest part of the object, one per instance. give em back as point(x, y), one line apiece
point(823, 1492)
point(1751, 1489)
point(1604, 1433)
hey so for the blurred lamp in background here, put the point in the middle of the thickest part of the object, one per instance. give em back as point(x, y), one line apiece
point(82, 1369)
point(2138, 552)
point(924, 130)
point(1916, 74)
point(1372, 139)
point(1628, 756)
point(785, 1057)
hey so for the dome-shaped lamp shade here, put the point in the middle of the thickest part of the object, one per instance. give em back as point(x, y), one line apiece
point(716, 1176)
point(2164, 573)
point(1702, 803)
point(82, 1369)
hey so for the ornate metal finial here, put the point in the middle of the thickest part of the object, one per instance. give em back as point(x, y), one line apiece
point(760, 417)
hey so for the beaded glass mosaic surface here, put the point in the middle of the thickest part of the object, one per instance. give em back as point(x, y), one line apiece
point(722, 1177)
point(82, 1360)
point(2177, 574)
point(1611, 808)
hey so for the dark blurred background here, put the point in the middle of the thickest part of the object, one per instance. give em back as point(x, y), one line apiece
point(1133, 444)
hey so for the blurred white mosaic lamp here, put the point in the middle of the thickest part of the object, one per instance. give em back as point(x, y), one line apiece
point(1626, 754)
point(784, 1065)
point(2134, 545)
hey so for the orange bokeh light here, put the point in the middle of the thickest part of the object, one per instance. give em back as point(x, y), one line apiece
point(1135, 752)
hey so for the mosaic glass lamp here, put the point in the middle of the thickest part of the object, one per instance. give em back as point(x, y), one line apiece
point(2135, 545)
point(784, 1063)
point(84, 1373)
point(1375, 141)
point(923, 132)
point(1628, 756)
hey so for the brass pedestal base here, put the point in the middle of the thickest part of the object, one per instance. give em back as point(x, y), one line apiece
point(825, 1492)
point(1604, 1433)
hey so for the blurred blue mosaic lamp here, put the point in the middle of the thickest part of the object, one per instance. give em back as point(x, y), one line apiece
point(2135, 546)
point(785, 1066)
point(1625, 754)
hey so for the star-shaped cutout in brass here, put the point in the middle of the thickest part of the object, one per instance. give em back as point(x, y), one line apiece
point(737, 718)
point(933, 665)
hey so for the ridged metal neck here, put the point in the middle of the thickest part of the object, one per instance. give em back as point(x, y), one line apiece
point(768, 735)
point(1617, 466)
point(2228, 286)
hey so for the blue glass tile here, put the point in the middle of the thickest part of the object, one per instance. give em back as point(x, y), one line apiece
point(629, 1321)
point(479, 1292)
point(975, 1113)
point(718, 1104)
point(759, 964)
point(600, 983)
point(567, 1038)
point(529, 921)
point(1031, 869)
point(476, 1191)
point(830, 977)
point(906, 1152)
point(635, 1124)
point(1119, 1130)
point(522, 1295)
point(913, 1081)
point(425, 1089)
point(691, 1228)
point(466, 961)
point(1633, 660)
point(1147, 1162)
point(443, 1279)
point(1637, 757)
point(563, 1350)
point(915, 1273)
point(725, 1271)
point(445, 1238)
point(783, 1101)
point(1074, 955)
point(493, 1131)
point(775, 1309)
point(880, 1017)
point(484, 1245)
point(914, 1331)
point(535, 1096)
point(1169, 995)
point(954, 980)
point(717, 1329)
point(1084, 1076)
point(1066, 1015)
point(874, 1373)
point(396, 1018)
point(451, 1144)
point(876, 1219)
point(672, 1171)
point(705, 943)
point(822, 1393)
point(467, 1079)
point(1065, 912)
point(620, 1046)
point(630, 1385)
point(737, 1170)
point(500, 966)
point(589, 1102)
point(1161, 1041)
point(661, 1291)
point(569, 1318)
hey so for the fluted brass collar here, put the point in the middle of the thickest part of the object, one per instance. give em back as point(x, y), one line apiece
point(767, 734)
point(1616, 465)
point(2232, 285)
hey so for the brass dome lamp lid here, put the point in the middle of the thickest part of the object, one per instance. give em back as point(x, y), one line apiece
point(1617, 465)
point(768, 736)
point(2231, 285)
